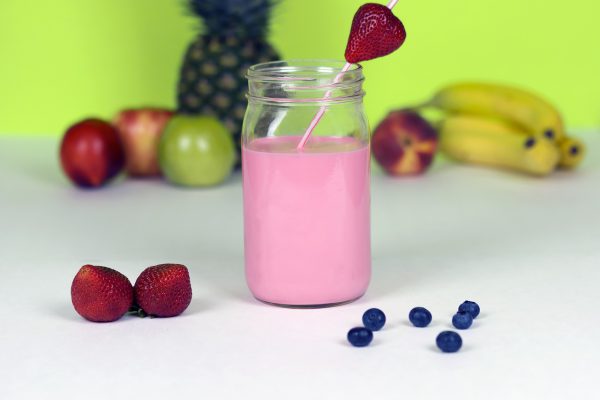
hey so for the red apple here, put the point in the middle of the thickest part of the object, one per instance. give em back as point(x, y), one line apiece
point(140, 131)
point(404, 143)
point(91, 153)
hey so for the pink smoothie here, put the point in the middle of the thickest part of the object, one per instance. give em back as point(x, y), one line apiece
point(307, 220)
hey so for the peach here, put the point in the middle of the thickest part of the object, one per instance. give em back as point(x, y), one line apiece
point(404, 143)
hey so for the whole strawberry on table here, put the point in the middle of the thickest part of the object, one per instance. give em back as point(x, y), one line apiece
point(102, 294)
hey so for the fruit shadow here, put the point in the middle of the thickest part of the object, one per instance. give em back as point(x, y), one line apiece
point(44, 170)
point(432, 324)
point(481, 316)
point(449, 326)
point(345, 343)
point(198, 306)
point(463, 349)
point(66, 312)
point(63, 311)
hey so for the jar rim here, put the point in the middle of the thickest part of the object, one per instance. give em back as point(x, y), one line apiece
point(307, 76)
point(321, 68)
point(307, 101)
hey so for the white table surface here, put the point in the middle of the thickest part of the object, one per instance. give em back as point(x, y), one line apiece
point(527, 249)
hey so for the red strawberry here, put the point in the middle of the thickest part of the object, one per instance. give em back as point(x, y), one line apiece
point(101, 294)
point(163, 290)
point(375, 32)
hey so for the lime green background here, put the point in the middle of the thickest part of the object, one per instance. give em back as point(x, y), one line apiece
point(63, 60)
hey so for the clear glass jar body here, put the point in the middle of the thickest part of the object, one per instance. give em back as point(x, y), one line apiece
point(306, 211)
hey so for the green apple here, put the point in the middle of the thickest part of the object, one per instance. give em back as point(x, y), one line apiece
point(196, 151)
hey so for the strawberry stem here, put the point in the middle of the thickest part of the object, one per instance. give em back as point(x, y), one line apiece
point(138, 311)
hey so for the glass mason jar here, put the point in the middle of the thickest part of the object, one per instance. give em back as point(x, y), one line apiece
point(306, 211)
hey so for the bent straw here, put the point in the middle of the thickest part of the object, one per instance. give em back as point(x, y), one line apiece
point(321, 112)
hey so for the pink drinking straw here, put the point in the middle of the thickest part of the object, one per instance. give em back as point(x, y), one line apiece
point(321, 112)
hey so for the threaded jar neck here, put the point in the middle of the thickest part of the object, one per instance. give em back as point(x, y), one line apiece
point(305, 82)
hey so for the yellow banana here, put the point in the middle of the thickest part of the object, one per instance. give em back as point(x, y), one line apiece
point(571, 151)
point(480, 140)
point(529, 111)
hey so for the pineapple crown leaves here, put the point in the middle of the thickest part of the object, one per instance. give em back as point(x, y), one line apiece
point(248, 18)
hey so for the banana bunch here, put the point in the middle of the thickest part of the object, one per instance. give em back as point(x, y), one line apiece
point(504, 126)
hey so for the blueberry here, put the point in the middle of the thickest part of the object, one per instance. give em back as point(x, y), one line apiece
point(448, 341)
point(373, 319)
point(462, 320)
point(471, 307)
point(419, 317)
point(360, 337)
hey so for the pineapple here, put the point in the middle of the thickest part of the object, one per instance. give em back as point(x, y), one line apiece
point(212, 80)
